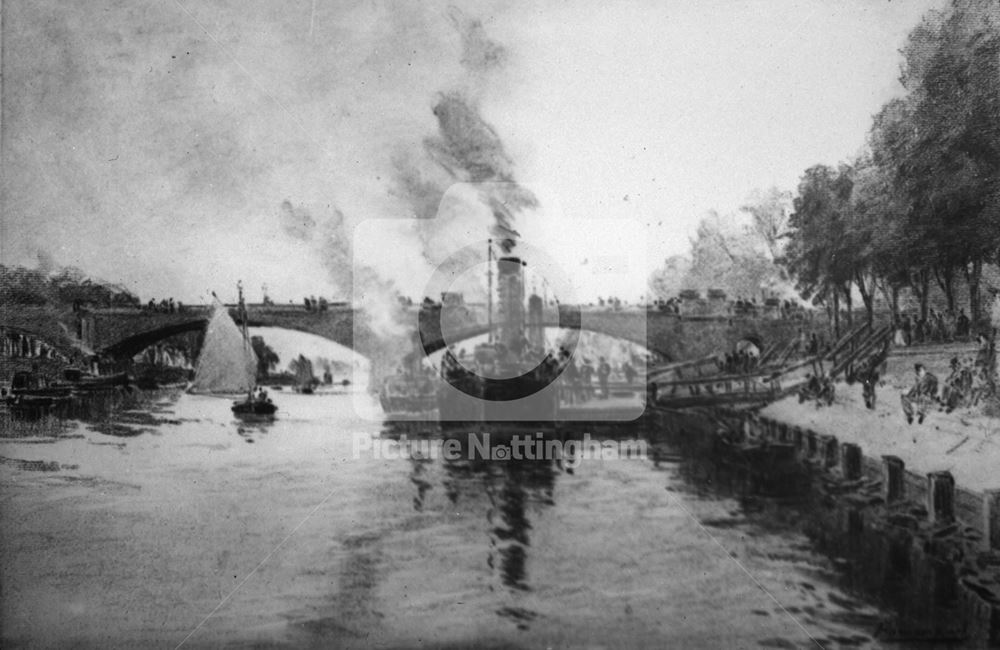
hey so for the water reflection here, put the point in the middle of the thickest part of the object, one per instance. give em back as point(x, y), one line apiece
point(503, 491)
point(417, 549)
point(520, 483)
point(250, 428)
point(419, 469)
point(119, 413)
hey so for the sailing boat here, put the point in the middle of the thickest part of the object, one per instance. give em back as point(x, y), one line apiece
point(227, 364)
point(304, 375)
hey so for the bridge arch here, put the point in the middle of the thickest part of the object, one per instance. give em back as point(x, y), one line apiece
point(432, 344)
point(380, 354)
point(136, 343)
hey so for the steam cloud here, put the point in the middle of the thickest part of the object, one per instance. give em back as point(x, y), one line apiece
point(464, 149)
point(376, 293)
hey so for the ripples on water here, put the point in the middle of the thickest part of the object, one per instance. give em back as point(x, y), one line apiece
point(174, 522)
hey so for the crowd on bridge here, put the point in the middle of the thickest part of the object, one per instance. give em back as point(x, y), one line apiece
point(691, 302)
point(164, 306)
point(312, 303)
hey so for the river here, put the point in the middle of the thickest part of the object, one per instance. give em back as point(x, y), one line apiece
point(182, 526)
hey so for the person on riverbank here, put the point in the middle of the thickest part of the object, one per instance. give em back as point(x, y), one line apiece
point(819, 388)
point(918, 399)
point(899, 334)
point(962, 324)
point(957, 388)
point(907, 330)
point(869, 380)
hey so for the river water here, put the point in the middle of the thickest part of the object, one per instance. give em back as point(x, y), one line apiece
point(179, 525)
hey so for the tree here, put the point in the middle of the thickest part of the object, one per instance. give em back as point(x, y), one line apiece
point(267, 358)
point(818, 255)
point(725, 256)
point(57, 288)
point(872, 234)
point(948, 166)
point(769, 210)
point(906, 246)
point(667, 281)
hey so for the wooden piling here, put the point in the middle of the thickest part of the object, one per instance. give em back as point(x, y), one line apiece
point(829, 446)
point(812, 444)
point(941, 497)
point(893, 483)
point(850, 461)
point(991, 520)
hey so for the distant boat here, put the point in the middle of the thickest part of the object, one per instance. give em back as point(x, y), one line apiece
point(255, 406)
point(305, 380)
point(227, 364)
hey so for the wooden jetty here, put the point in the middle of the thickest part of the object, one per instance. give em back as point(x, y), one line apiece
point(698, 382)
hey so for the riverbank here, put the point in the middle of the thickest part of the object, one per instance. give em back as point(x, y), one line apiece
point(913, 510)
point(964, 442)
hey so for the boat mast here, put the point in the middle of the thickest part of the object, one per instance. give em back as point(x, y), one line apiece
point(489, 290)
point(241, 311)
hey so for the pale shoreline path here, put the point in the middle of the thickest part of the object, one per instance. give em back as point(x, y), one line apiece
point(964, 442)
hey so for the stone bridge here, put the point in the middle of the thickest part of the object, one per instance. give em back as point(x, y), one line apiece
point(124, 332)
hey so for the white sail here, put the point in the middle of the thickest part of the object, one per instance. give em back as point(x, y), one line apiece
point(227, 363)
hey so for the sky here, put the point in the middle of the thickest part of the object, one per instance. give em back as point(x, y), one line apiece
point(176, 147)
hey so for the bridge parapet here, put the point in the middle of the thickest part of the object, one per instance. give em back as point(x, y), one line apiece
point(124, 332)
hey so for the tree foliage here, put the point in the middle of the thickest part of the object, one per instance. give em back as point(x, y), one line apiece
point(62, 288)
point(922, 204)
point(267, 358)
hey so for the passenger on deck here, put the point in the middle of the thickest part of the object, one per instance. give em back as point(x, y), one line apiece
point(449, 364)
point(603, 372)
point(920, 396)
point(571, 382)
point(629, 372)
point(586, 377)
